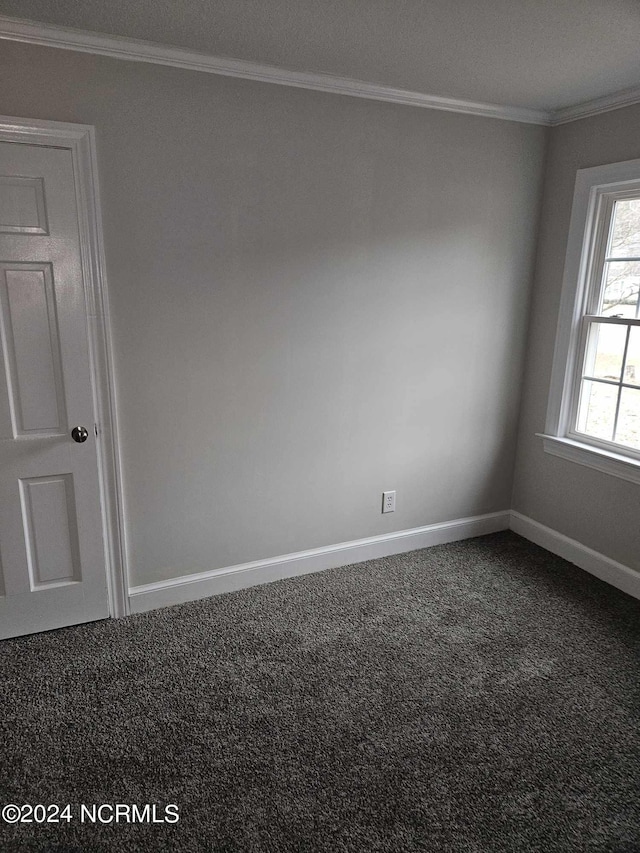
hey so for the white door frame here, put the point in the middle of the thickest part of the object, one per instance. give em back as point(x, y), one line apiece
point(80, 140)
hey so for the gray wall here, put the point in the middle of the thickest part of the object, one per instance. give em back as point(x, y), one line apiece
point(597, 509)
point(314, 298)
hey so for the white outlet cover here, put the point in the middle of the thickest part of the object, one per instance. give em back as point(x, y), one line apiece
point(388, 501)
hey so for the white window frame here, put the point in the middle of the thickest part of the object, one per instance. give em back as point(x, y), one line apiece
point(596, 190)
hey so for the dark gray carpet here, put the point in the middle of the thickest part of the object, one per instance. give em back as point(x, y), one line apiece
point(480, 696)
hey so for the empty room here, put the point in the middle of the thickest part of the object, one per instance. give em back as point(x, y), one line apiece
point(319, 426)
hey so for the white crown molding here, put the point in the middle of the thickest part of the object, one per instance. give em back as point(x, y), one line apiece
point(135, 50)
point(179, 590)
point(626, 98)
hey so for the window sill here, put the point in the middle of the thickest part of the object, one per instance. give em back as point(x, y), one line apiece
point(593, 457)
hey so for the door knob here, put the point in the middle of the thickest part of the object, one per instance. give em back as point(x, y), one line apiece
point(79, 434)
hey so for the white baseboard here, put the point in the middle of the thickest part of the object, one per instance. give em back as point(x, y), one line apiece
point(591, 561)
point(202, 585)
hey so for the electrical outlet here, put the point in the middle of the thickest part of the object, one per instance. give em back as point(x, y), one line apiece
point(388, 502)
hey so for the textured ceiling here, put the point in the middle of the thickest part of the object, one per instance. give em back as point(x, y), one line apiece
point(544, 54)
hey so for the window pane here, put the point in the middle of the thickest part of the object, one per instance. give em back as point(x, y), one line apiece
point(597, 411)
point(605, 351)
point(632, 366)
point(625, 231)
point(620, 288)
point(628, 429)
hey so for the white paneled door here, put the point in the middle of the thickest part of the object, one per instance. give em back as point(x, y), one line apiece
point(52, 562)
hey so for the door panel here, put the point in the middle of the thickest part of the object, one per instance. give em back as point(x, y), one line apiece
point(51, 530)
point(51, 540)
point(22, 205)
point(31, 348)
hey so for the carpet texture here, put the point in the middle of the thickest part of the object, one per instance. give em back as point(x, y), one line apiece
point(478, 696)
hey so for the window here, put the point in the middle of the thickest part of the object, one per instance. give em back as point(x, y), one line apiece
point(594, 405)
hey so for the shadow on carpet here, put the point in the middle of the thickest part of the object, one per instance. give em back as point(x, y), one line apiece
point(478, 696)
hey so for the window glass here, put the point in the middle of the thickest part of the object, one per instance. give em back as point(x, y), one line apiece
point(597, 410)
point(620, 289)
point(605, 351)
point(607, 408)
point(628, 426)
point(624, 241)
point(632, 364)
